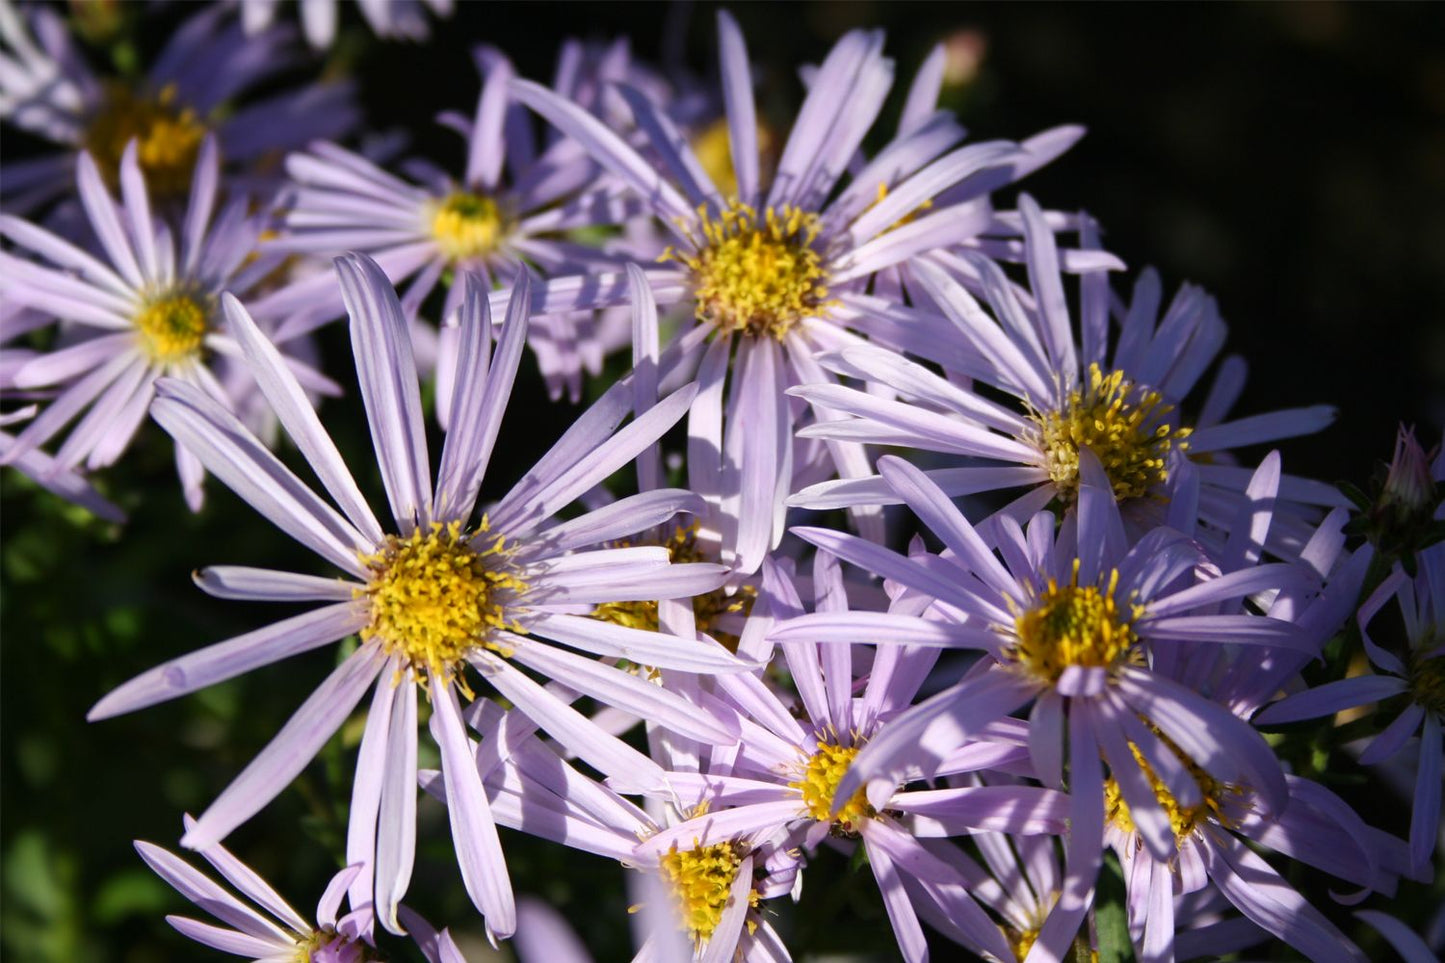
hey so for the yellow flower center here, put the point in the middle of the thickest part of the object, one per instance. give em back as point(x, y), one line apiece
point(435, 596)
point(756, 274)
point(352, 951)
point(1427, 682)
point(1074, 624)
point(467, 225)
point(1125, 425)
point(825, 769)
point(713, 150)
point(1182, 819)
point(701, 880)
point(173, 325)
point(706, 609)
point(169, 137)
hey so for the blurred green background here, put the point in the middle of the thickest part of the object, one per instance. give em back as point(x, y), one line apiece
point(1289, 157)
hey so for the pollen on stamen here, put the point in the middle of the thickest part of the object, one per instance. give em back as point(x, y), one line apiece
point(438, 594)
point(1124, 424)
point(467, 225)
point(757, 274)
point(1215, 795)
point(701, 880)
point(168, 137)
point(819, 785)
point(1075, 625)
point(172, 325)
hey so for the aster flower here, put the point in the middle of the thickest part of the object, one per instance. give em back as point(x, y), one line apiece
point(1116, 382)
point(1419, 677)
point(1073, 622)
point(190, 92)
point(268, 928)
point(776, 272)
point(388, 19)
point(781, 785)
point(45, 472)
point(440, 594)
point(147, 310)
point(510, 206)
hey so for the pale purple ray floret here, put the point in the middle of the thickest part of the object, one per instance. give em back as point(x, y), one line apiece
point(147, 307)
point(388, 19)
point(778, 271)
point(441, 598)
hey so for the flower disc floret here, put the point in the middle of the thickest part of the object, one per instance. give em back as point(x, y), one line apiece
point(756, 274)
point(467, 225)
point(1182, 819)
point(1124, 424)
point(435, 596)
point(1427, 682)
point(1075, 625)
point(328, 946)
point(819, 785)
point(173, 325)
point(168, 137)
point(701, 880)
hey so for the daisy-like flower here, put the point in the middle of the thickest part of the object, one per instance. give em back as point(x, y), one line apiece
point(1073, 622)
point(1414, 681)
point(509, 206)
point(781, 786)
point(440, 596)
point(775, 273)
point(388, 19)
point(1116, 383)
point(263, 926)
point(43, 470)
point(190, 91)
point(150, 309)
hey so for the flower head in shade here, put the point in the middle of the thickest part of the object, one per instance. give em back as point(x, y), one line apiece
point(1083, 626)
point(782, 785)
point(777, 271)
point(1112, 377)
point(442, 600)
point(511, 204)
point(147, 307)
point(388, 19)
point(1412, 682)
point(189, 92)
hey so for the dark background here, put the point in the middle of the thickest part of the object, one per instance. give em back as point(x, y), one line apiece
point(1290, 158)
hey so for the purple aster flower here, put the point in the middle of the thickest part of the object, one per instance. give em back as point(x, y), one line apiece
point(45, 472)
point(1075, 622)
point(189, 93)
point(268, 928)
point(776, 272)
point(781, 784)
point(1418, 677)
point(511, 205)
point(1114, 383)
point(438, 595)
point(149, 309)
point(388, 19)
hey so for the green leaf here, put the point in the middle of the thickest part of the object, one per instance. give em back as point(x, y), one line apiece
point(1110, 920)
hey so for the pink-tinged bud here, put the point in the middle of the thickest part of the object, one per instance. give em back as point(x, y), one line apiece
point(1408, 485)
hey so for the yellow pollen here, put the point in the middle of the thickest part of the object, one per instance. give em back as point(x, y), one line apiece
point(1074, 624)
point(908, 218)
point(436, 595)
point(707, 609)
point(1124, 424)
point(756, 275)
point(825, 769)
point(467, 225)
point(1427, 681)
point(1182, 819)
point(325, 937)
point(168, 136)
point(701, 880)
point(172, 326)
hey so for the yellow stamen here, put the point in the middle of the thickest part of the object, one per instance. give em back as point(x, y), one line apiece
point(825, 769)
point(908, 218)
point(173, 325)
point(1125, 425)
point(1074, 624)
point(168, 136)
point(437, 594)
point(1182, 819)
point(325, 937)
point(701, 880)
point(467, 225)
point(756, 275)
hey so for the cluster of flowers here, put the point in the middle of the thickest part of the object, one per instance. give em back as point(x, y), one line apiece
point(1077, 660)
